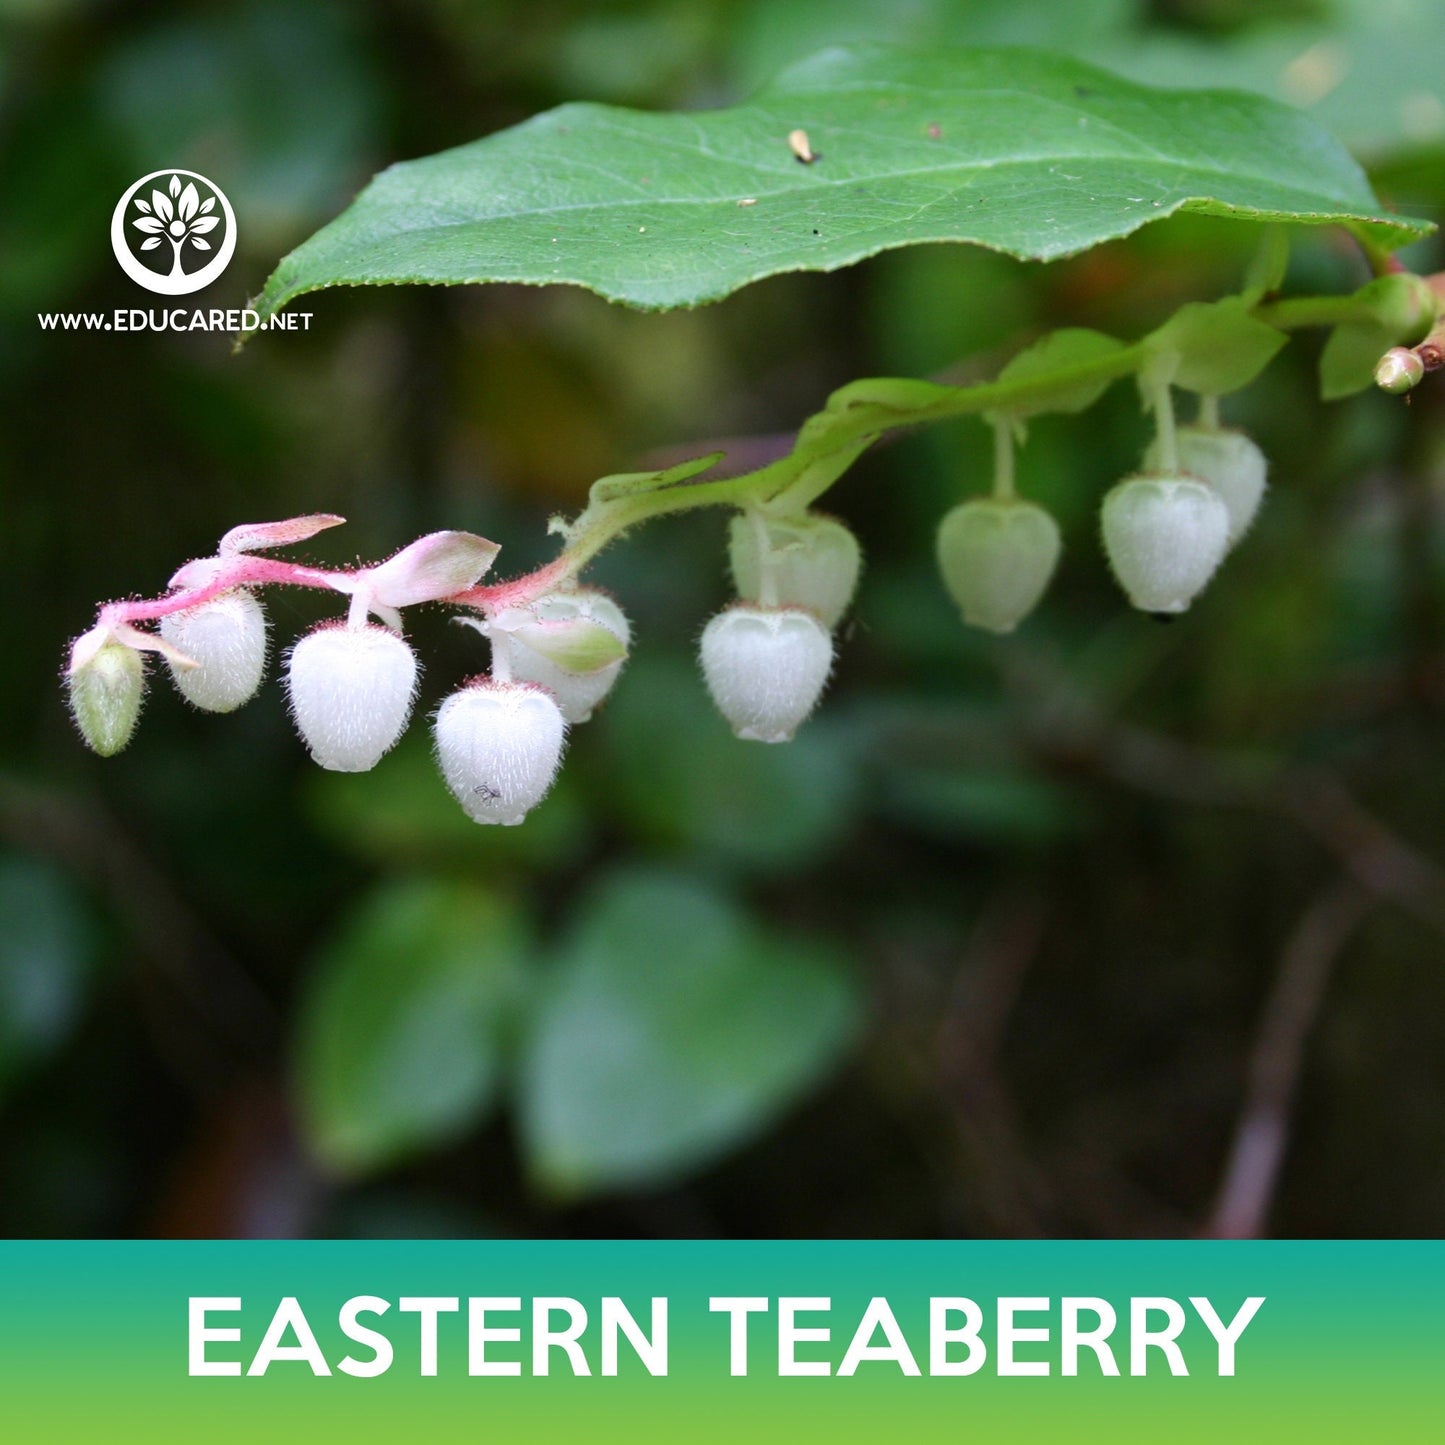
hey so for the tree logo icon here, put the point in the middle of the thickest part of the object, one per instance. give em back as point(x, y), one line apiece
point(173, 232)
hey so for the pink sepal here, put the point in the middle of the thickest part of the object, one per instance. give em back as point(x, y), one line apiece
point(104, 634)
point(259, 536)
point(435, 566)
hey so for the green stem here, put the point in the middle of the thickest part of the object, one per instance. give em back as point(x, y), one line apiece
point(767, 568)
point(1155, 382)
point(857, 415)
point(798, 496)
point(1208, 417)
point(1003, 459)
point(1295, 312)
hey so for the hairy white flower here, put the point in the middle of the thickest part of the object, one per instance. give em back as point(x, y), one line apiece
point(541, 639)
point(765, 668)
point(1164, 535)
point(498, 745)
point(814, 559)
point(997, 556)
point(105, 696)
point(226, 637)
point(351, 692)
point(1230, 462)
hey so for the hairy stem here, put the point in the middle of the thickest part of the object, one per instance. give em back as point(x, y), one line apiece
point(828, 443)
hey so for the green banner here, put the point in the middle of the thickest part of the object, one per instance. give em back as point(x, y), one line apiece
point(604, 1341)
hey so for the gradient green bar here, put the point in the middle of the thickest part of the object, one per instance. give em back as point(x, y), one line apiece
point(93, 1343)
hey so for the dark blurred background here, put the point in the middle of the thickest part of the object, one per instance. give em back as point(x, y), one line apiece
point(1107, 928)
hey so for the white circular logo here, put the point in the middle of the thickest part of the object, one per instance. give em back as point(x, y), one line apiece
point(173, 232)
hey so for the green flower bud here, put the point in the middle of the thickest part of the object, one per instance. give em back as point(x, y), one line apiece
point(105, 696)
point(1164, 535)
point(997, 555)
point(1400, 370)
point(815, 562)
point(1230, 462)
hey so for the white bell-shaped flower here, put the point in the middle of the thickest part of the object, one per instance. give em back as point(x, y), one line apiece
point(226, 637)
point(997, 556)
point(765, 668)
point(815, 561)
point(351, 692)
point(543, 638)
point(1164, 535)
point(105, 696)
point(498, 745)
point(1230, 462)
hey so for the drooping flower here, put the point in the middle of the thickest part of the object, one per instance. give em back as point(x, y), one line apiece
point(226, 637)
point(813, 562)
point(498, 746)
point(766, 668)
point(1165, 536)
point(105, 690)
point(572, 643)
point(997, 555)
point(351, 691)
point(1230, 462)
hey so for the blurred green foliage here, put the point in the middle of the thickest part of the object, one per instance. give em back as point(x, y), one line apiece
point(985, 950)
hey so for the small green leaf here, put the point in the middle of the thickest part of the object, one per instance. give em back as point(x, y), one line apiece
point(577, 643)
point(672, 1031)
point(635, 484)
point(1347, 364)
point(1267, 267)
point(1026, 152)
point(404, 1025)
point(1220, 346)
point(1057, 353)
point(1402, 310)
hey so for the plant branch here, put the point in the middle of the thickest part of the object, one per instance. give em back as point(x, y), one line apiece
point(827, 444)
point(1261, 1136)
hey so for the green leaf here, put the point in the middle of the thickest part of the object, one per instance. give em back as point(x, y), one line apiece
point(577, 643)
point(1401, 313)
point(46, 952)
point(1026, 152)
point(1058, 352)
point(672, 1031)
point(1221, 347)
point(1268, 266)
point(1349, 358)
point(635, 484)
point(403, 1028)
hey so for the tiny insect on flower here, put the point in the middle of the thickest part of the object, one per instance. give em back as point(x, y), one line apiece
point(351, 693)
point(499, 745)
